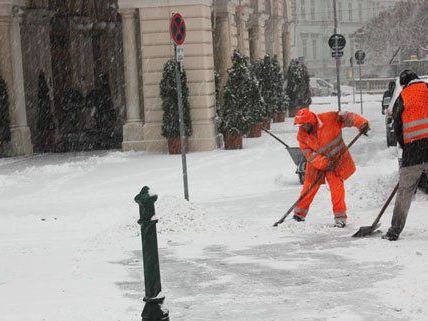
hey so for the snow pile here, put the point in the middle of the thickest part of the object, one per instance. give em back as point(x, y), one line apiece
point(175, 214)
point(371, 193)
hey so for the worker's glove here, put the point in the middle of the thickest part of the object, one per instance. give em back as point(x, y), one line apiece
point(364, 129)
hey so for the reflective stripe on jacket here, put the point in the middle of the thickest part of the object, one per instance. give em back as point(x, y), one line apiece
point(325, 143)
point(415, 114)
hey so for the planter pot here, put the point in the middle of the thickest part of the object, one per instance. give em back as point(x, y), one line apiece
point(174, 145)
point(279, 117)
point(255, 131)
point(233, 141)
point(266, 123)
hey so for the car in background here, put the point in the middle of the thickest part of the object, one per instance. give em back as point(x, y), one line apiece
point(320, 87)
point(344, 90)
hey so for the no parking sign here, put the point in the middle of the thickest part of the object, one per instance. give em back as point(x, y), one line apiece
point(177, 29)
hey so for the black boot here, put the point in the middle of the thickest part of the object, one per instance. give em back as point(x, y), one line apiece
point(390, 237)
point(298, 218)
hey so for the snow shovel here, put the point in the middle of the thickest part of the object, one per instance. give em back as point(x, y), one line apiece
point(368, 230)
point(319, 178)
point(278, 139)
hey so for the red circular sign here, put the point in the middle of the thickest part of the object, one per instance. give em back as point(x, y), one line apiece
point(177, 29)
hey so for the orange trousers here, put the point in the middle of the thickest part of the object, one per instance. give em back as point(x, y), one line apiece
point(337, 190)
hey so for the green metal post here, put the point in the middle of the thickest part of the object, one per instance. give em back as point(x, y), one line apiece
point(153, 309)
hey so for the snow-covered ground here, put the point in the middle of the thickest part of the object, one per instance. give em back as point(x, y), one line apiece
point(71, 251)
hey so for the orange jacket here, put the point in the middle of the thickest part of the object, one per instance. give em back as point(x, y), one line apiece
point(325, 144)
point(415, 114)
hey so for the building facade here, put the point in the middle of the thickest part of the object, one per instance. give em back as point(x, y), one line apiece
point(93, 67)
point(312, 24)
point(63, 68)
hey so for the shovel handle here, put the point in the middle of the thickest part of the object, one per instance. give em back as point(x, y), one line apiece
point(276, 137)
point(385, 206)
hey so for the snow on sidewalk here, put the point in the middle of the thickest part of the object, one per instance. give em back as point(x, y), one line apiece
point(71, 251)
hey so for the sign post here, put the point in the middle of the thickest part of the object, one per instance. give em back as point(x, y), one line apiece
point(360, 55)
point(353, 79)
point(334, 43)
point(337, 43)
point(178, 35)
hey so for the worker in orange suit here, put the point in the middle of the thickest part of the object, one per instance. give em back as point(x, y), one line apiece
point(320, 139)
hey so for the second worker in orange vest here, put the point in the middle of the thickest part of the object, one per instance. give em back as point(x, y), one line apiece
point(320, 139)
point(410, 114)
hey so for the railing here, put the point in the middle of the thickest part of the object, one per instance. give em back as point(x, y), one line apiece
point(373, 85)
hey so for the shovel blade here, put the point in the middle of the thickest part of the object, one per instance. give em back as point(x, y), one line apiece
point(366, 231)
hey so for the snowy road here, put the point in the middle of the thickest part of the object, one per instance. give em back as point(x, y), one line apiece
point(70, 247)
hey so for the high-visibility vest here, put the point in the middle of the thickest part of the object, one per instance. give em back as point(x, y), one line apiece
point(415, 114)
point(326, 143)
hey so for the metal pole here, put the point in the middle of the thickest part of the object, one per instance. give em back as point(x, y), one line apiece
point(337, 57)
point(361, 90)
point(178, 70)
point(353, 80)
point(397, 69)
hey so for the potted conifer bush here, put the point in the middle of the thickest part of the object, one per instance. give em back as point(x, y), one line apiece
point(282, 107)
point(45, 121)
point(170, 119)
point(269, 76)
point(242, 103)
point(5, 135)
point(298, 89)
point(257, 108)
point(281, 97)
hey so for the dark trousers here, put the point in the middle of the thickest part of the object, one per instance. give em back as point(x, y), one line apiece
point(408, 183)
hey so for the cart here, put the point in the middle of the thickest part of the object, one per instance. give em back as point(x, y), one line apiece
point(300, 161)
point(296, 155)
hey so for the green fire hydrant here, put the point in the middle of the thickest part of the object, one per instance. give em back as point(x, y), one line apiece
point(153, 309)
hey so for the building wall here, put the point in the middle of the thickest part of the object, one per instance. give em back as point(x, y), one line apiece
point(313, 24)
point(74, 44)
point(56, 41)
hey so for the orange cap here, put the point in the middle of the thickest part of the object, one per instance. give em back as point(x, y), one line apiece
point(305, 116)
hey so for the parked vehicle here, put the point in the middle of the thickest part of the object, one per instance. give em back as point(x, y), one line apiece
point(320, 87)
point(344, 90)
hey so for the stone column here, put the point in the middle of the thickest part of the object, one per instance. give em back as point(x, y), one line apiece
point(37, 58)
point(269, 36)
point(277, 28)
point(81, 54)
point(12, 72)
point(257, 35)
point(243, 17)
point(286, 45)
point(286, 34)
point(225, 38)
point(133, 128)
